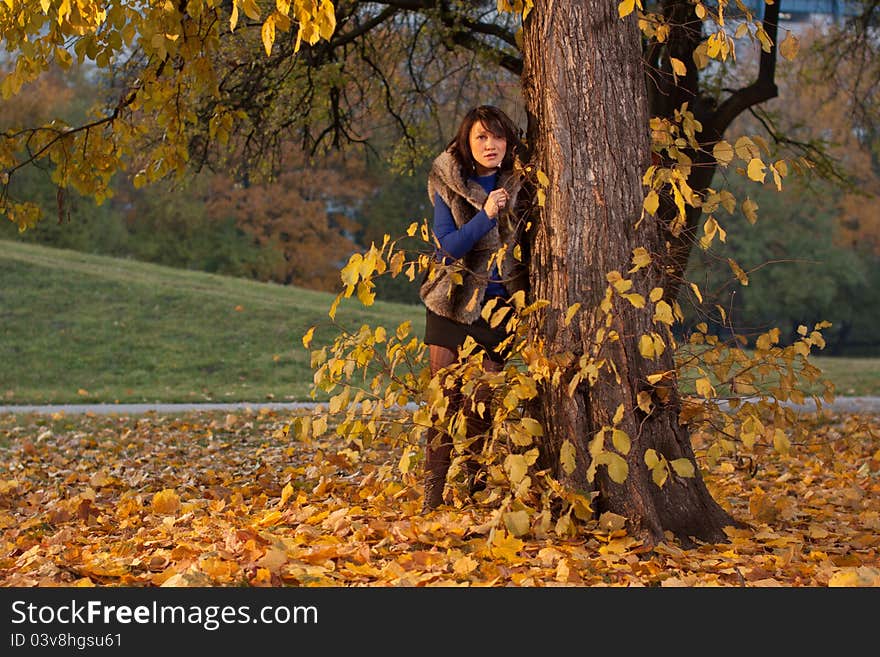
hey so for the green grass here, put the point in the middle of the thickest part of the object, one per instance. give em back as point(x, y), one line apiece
point(852, 377)
point(78, 328)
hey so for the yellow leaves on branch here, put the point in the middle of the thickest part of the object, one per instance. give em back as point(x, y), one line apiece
point(711, 229)
point(521, 7)
point(626, 7)
point(661, 468)
point(749, 149)
point(316, 20)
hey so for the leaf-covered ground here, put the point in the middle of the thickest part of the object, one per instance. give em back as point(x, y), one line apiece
point(210, 499)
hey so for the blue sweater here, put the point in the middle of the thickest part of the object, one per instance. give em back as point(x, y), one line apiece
point(457, 241)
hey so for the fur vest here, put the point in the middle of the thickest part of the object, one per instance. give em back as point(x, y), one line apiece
point(455, 290)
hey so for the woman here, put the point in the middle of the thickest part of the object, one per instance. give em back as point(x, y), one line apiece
point(474, 185)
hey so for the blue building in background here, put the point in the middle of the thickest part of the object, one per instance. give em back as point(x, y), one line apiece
point(796, 11)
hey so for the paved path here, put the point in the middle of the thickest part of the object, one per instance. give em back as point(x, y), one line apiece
point(139, 409)
point(870, 405)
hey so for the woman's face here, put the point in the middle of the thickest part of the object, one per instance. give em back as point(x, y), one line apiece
point(487, 148)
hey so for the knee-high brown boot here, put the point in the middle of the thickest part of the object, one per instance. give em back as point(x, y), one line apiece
point(438, 450)
point(477, 427)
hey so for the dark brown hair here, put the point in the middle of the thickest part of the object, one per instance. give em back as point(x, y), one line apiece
point(496, 122)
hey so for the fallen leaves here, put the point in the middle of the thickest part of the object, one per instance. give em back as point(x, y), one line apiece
point(210, 499)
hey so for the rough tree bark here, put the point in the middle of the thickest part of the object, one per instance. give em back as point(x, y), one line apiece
point(584, 88)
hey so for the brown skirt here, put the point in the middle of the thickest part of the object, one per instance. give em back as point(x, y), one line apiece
point(445, 332)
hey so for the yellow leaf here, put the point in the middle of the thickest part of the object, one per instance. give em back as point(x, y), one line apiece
point(618, 415)
point(365, 293)
point(646, 346)
point(335, 305)
point(572, 309)
point(516, 467)
point(351, 272)
point(705, 388)
point(641, 258)
point(789, 46)
point(651, 202)
point(464, 565)
point(621, 441)
point(777, 179)
point(250, 9)
point(273, 560)
point(757, 169)
point(850, 577)
point(663, 313)
point(636, 300)
point(567, 456)
point(507, 548)
point(165, 502)
point(697, 292)
point(741, 276)
point(678, 67)
point(307, 338)
point(532, 426)
point(327, 19)
point(286, 493)
point(657, 377)
point(405, 461)
point(625, 8)
point(517, 522)
point(723, 153)
point(319, 426)
point(270, 518)
point(746, 149)
point(780, 442)
point(617, 467)
point(645, 402)
point(659, 345)
point(683, 467)
point(710, 229)
point(659, 474)
point(749, 208)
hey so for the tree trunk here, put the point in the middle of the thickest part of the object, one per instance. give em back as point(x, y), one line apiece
point(584, 87)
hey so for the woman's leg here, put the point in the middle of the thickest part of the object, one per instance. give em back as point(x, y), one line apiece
point(438, 448)
point(478, 427)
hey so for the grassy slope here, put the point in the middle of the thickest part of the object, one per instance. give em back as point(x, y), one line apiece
point(77, 327)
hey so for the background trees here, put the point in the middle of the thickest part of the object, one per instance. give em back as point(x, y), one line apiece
point(402, 72)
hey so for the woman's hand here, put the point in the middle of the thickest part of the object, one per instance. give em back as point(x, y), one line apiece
point(496, 202)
